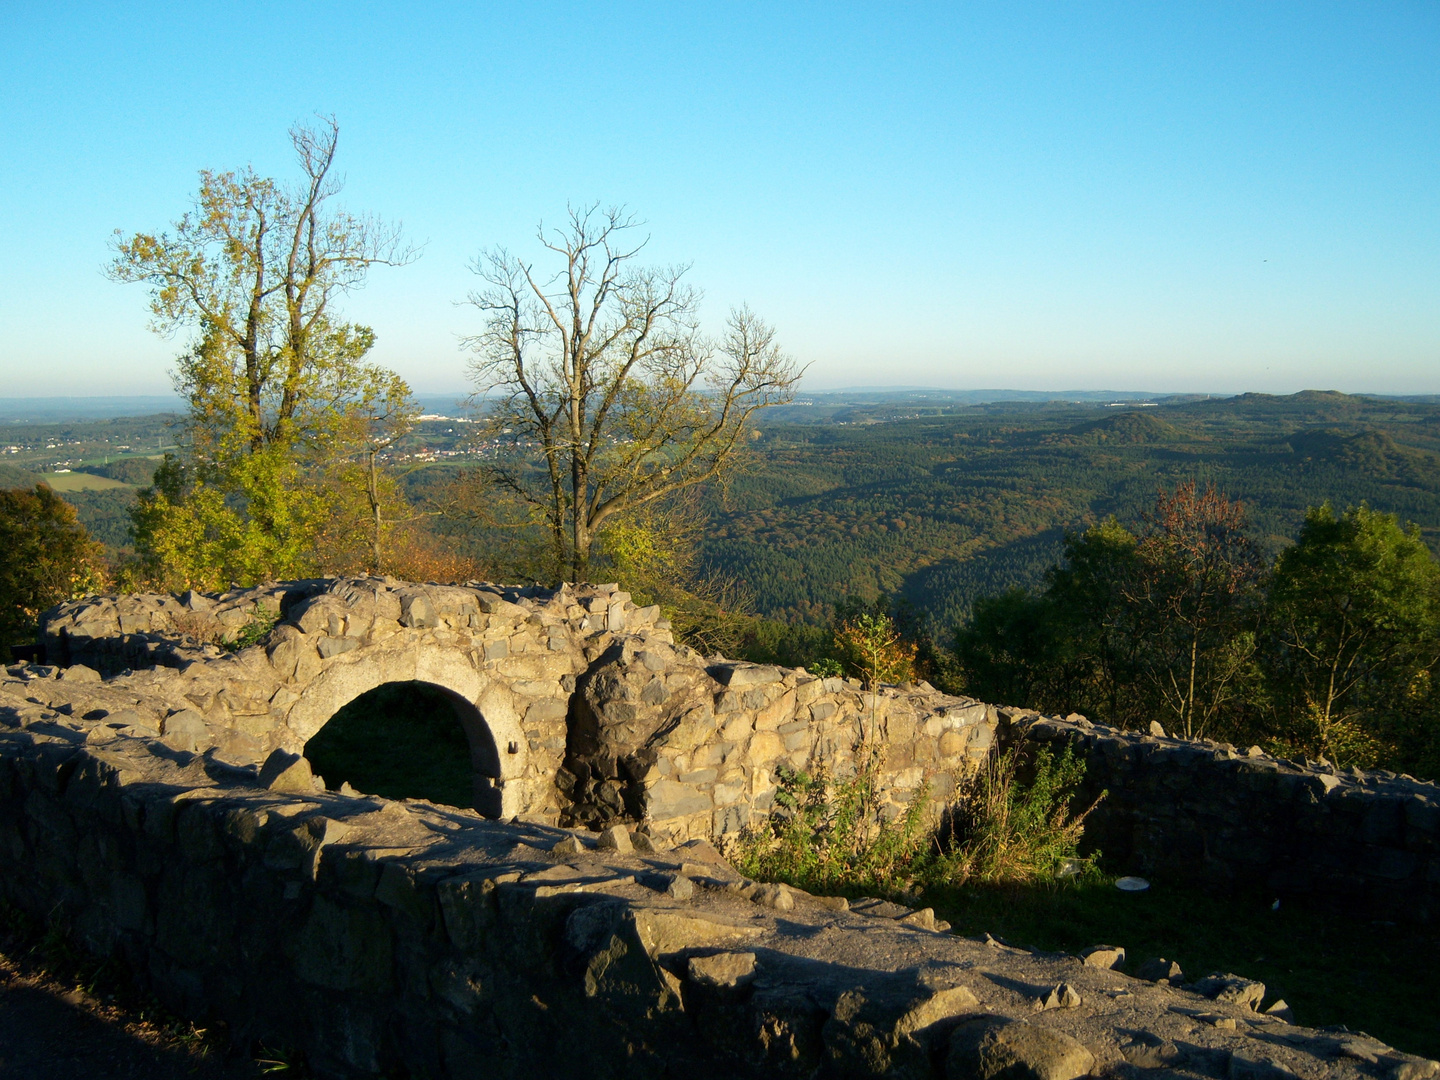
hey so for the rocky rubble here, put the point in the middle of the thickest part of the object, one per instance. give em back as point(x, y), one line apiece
point(378, 936)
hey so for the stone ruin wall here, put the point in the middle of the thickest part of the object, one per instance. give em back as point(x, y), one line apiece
point(371, 937)
point(1209, 815)
point(582, 709)
point(160, 813)
point(579, 706)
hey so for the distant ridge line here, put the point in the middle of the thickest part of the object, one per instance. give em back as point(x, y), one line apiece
point(60, 409)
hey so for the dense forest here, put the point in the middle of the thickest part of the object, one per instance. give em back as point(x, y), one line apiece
point(945, 508)
point(1051, 553)
point(919, 496)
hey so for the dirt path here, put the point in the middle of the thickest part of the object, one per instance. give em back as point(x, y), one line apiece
point(49, 1031)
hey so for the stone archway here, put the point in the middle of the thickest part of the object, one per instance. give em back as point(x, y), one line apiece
point(485, 711)
point(411, 740)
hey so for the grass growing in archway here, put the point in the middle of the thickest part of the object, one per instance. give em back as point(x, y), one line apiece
point(400, 740)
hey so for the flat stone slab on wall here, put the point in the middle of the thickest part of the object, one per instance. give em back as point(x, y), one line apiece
point(377, 936)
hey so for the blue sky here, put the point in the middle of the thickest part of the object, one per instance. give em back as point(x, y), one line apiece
point(1207, 197)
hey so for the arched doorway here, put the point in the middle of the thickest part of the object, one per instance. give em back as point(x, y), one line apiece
point(410, 740)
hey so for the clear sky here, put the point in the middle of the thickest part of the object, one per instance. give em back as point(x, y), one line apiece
point(1150, 196)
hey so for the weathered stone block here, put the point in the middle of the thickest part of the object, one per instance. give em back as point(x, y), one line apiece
point(951, 744)
point(777, 712)
point(417, 612)
point(668, 798)
point(742, 676)
point(765, 747)
point(330, 647)
point(344, 948)
point(185, 729)
point(547, 710)
point(1232, 990)
point(994, 1047)
point(1104, 956)
point(284, 771)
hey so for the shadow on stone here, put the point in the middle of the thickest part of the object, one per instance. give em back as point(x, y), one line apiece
point(407, 740)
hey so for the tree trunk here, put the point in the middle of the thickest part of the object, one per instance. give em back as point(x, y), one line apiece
point(579, 517)
point(373, 490)
point(1190, 691)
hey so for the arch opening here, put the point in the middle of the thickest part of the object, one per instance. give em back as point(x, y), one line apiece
point(410, 740)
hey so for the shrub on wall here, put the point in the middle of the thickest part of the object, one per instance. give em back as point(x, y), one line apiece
point(1012, 822)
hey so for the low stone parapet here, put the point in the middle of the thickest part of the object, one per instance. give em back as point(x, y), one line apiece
point(1223, 819)
point(375, 938)
point(579, 705)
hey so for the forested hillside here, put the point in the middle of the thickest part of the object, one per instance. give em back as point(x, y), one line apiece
point(943, 508)
point(919, 495)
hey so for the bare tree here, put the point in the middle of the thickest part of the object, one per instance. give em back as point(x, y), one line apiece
point(1193, 590)
point(387, 418)
point(598, 381)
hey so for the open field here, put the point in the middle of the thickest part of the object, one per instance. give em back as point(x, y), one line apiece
point(79, 481)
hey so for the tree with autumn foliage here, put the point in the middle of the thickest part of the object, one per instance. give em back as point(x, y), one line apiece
point(276, 383)
point(1155, 624)
point(1194, 591)
point(869, 644)
point(1333, 651)
point(49, 558)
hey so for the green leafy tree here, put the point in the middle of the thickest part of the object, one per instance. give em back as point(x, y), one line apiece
point(49, 558)
point(1093, 666)
point(654, 550)
point(249, 518)
point(1010, 648)
point(1071, 647)
point(369, 507)
point(1354, 608)
point(1131, 628)
point(274, 381)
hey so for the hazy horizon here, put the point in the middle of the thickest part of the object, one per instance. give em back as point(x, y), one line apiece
point(60, 408)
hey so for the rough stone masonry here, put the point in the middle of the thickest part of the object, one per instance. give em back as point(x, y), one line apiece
point(581, 709)
point(578, 705)
point(402, 938)
point(153, 797)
